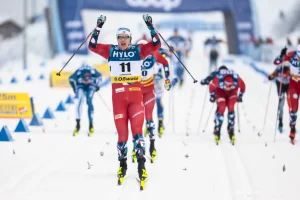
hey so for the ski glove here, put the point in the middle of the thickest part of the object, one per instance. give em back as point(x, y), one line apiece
point(270, 77)
point(148, 21)
point(100, 21)
point(204, 82)
point(240, 98)
point(283, 52)
point(212, 97)
point(97, 89)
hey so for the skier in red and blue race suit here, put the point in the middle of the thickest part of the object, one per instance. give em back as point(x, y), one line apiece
point(282, 75)
point(294, 87)
point(125, 60)
point(148, 72)
point(224, 89)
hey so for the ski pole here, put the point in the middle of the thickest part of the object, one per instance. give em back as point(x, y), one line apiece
point(238, 115)
point(58, 73)
point(202, 111)
point(278, 107)
point(208, 117)
point(267, 106)
point(172, 50)
point(103, 101)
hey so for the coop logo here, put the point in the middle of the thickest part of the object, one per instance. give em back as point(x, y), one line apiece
point(166, 5)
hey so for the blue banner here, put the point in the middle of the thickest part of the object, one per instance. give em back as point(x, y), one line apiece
point(73, 30)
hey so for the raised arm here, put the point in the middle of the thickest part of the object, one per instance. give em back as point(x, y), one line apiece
point(155, 44)
point(100, 49)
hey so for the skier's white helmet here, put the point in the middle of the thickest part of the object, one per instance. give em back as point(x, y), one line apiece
point(123, 30)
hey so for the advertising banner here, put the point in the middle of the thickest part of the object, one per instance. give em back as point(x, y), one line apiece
point(15, 105)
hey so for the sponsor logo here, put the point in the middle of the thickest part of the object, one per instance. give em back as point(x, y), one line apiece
point(123, 54)
point(120, 90)
point(152, 99)
point(23, 109)
point(118, 116)
point(134, 89)
point(166, 5)
point(138, 113)
point(125, 79)
point(15, 105)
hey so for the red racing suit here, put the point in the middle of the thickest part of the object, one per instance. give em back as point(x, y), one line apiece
point(127, 97)
point(226, 98)
point(294, 86)
point(148, 71)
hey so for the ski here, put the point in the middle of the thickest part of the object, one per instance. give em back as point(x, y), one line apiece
point(142, 183)
point(121, 179)
point(152, 158)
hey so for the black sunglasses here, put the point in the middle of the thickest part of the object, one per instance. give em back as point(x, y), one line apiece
point(125, 37)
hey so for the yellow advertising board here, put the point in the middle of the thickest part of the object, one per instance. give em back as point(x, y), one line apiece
point(103, 69)
point(62, 81)
point(15, 105)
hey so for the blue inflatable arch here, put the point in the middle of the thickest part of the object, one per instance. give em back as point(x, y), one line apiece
point(239, 23)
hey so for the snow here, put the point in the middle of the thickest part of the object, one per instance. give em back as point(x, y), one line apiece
point(56, 165)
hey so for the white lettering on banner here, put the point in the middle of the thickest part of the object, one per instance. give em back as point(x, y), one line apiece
point(167, 5)
point(123, 54)
point(73, 24)
point(244, 25)
point(74, 46)
point(244, 36)
point(73, 35)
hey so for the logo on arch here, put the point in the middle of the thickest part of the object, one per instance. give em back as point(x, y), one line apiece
point(166, 5)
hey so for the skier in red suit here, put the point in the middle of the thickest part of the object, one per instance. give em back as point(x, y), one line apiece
point(224, 89)
point(125, 60)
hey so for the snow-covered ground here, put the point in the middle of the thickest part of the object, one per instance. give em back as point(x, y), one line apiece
point(55, 165)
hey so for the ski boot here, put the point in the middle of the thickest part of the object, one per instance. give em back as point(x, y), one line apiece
point(133, 156)
point(146, 132)
point(77, 128)
point(181, 83)
point(231, 136)
point(160, 128)
point(280, 126)
point(217, 137)
point(152, 151)
point(142, 172)
point(122, 171)
point(292, 134)
point(91, 129)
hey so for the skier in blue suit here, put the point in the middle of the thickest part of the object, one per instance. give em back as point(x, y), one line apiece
point(85, 81)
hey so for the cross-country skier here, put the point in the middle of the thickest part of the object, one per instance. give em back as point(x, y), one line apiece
point(179, 46)
point(148, 70)
point(294, 87)
point(282, 75)
point(213, 44)
point(125, 61)
point(85, 81)
point(224, 90)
